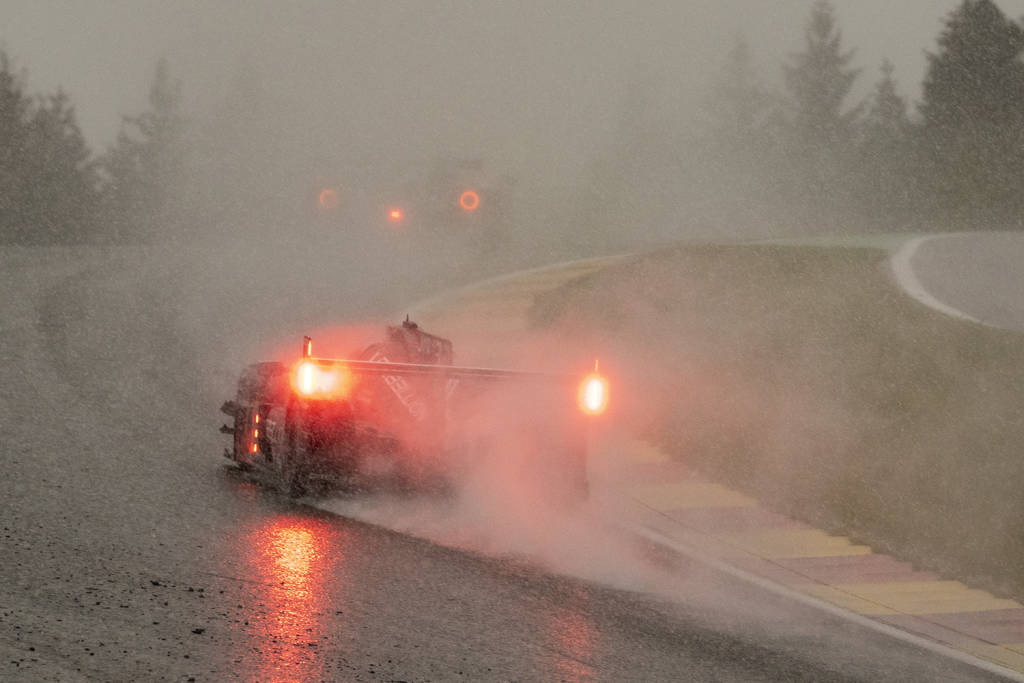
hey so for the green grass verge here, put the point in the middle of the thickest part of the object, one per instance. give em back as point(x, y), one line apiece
point(802, 375)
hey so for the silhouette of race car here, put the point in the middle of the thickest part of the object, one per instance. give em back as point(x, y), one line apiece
point(398, 413)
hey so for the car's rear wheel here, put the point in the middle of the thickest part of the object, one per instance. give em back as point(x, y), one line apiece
point(292, 467)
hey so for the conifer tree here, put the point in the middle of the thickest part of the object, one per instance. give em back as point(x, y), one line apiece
point(976, 77)
point(819, 80)
point(240, 156)
point(821, 126)
point(887, 119)
point(885, 171)
point(973, 116)
point(14, 112)
point(737, 158)
point(60, 174)
point(145, 170)
point(740, 107)
point(48, 181)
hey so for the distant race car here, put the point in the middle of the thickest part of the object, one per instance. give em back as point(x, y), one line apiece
point(400, 414)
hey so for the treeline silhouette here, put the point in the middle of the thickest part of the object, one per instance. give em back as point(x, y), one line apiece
point(55, 190)
point(802, 155)
point(956, 161)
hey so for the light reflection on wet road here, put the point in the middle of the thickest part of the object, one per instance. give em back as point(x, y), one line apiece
point(296, 561)
point(574, 638)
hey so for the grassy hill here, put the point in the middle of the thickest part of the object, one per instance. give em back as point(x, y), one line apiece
point(804, 376)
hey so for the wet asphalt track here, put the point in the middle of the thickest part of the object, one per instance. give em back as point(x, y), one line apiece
point(129, 552)
point(981, 274)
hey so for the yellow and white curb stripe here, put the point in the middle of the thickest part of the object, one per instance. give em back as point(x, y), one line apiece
point(735, 529)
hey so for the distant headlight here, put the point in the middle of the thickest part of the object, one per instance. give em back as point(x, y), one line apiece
point(469, 200)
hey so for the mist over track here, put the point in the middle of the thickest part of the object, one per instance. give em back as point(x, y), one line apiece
point(130, 552)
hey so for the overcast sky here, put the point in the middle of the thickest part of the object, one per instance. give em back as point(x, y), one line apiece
point(529, 84)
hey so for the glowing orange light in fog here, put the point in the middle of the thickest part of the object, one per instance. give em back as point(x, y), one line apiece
point(305, 378)
point(328, 199)
point(396, 215)
point(469, 200)
point(593, 394)
point(320, 381)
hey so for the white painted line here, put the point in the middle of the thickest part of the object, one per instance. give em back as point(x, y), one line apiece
point(903, 270)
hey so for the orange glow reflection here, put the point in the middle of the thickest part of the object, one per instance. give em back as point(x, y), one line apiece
point(572, 637)
point(294, 560)
point(293, 550)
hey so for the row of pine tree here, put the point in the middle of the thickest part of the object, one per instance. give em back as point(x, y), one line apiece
point(956, 159)
point(54, 190)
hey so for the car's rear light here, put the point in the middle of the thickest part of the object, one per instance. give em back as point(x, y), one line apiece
point(593, 394)
point(306, 378)
point(254, 446)
point(320, 381)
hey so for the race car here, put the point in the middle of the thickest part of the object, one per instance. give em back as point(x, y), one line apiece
point(398, 413)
